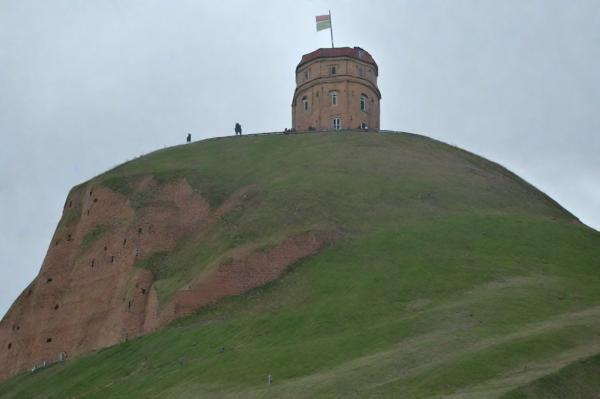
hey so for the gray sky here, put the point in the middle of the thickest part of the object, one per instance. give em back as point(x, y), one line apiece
point(86, 85)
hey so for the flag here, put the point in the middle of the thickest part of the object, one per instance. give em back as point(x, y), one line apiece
point(323, 22)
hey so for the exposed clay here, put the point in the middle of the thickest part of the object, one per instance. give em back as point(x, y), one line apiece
point(89, 295)
point(242, 273)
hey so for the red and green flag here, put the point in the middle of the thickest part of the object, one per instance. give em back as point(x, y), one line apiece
point(323, 22)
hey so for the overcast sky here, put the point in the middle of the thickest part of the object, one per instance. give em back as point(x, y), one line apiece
point(86, 85)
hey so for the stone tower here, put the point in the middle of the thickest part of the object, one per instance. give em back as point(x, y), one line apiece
point(336, 88)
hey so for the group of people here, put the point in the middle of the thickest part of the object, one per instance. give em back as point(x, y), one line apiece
point(238, 132)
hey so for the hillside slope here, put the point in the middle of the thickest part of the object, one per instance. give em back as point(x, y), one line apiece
point(418, 268)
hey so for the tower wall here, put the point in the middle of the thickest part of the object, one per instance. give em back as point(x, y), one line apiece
point(350, 73)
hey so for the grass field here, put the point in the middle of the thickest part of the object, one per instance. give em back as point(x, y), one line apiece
point(577, 380)
point(452, 278)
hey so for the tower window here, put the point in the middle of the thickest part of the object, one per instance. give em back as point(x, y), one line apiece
point(305, 103)
point(307, 74)
point(336, 123)
point(361, 72)
point(363, 103)
point(334, 98)
point(333, 69)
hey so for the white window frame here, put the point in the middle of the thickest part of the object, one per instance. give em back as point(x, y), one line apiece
point(306, 74)
point(333, 69)
point(334, 98)
point(363, 102)
point(336, 123)
point(305, 105)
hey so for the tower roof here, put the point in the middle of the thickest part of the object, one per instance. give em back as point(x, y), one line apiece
point(351, 52)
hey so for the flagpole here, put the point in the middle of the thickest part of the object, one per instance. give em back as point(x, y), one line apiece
point(331, 28)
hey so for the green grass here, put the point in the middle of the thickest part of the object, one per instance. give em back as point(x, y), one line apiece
point(451, 276)
point(120, 184)
point(578, 380)
point(92, 235)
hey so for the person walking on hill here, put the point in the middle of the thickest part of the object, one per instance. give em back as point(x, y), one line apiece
point(189, 138)
point(238, 129)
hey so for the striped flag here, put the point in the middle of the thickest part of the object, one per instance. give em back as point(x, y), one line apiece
point(323, 22)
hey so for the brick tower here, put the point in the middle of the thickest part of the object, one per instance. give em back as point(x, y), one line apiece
point(336, 88)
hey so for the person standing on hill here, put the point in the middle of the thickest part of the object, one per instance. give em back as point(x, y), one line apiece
point(189, 138)
point(238, 129)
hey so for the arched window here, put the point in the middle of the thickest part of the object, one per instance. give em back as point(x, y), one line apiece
point(334, 98)
point(363, 102)
point(305, 103)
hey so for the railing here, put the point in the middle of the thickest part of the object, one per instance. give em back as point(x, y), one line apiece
point(316, 132)
point(62, 356)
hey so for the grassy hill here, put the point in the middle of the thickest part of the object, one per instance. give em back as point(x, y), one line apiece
point(450, 277)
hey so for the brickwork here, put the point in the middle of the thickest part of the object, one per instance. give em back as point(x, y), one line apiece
point(336, 88)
